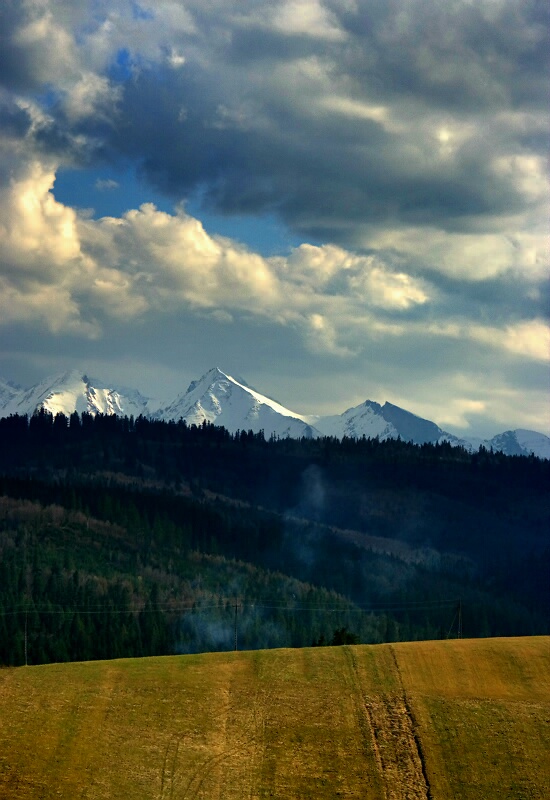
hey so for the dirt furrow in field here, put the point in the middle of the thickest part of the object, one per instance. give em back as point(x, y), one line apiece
point(387, 722)
point(413, 726)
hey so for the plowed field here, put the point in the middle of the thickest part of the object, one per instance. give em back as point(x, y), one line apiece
point(422, 721)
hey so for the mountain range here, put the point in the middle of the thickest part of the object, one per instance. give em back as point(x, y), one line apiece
point(224, 400)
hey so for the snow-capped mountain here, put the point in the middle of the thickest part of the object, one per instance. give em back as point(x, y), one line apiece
point(223, 400)
point(520, 442)
point(73, 391)
point(370, 419)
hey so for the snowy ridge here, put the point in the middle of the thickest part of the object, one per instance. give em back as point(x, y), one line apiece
point(520, 441)
point(220, 399)
point(370, 419)
point(74, 391)
point(8, 392)
point(364, 420)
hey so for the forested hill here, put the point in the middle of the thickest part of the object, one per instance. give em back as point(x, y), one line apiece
point(131, 537)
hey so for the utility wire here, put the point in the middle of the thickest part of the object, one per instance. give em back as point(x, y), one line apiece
point(193, 607)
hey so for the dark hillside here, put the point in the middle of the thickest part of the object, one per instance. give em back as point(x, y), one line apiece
point(131, 537)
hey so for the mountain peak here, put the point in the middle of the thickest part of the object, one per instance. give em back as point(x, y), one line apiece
point(212, 375)
point(222, 399)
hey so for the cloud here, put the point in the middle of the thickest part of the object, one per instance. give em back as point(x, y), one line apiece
point(469, 256)
point(417, 117)
point(403, 144)
point(106, 184)
point(34, 50)
point(150, 261)
point(175, 59)
point(305, 18)
point(38, 233)
point(531, 339)
point(401, 154)
point(92, 95)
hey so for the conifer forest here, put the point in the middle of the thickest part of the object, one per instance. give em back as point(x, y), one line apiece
point(123, 537)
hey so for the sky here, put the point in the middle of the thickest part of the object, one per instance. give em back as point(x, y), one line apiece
point(333, 199)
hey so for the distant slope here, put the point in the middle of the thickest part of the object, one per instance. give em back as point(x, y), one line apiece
point(440, 720)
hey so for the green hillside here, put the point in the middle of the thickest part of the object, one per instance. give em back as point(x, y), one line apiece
point(450, 719)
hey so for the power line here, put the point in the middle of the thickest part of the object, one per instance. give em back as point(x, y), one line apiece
point(171, 607)
point(458, 613)
point(226, 606)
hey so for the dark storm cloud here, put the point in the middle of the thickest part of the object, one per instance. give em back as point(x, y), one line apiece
point(14, 120)
point(335, 127)
point(324, 177)
point(253, 143)
point(504, 299)
point(38, 42)
point(175, 143)
point(255, 44)
point(17, 67)
point(455, 55)
point(482, 52)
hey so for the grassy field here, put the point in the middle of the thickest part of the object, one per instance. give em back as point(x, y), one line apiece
point(453, 719)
